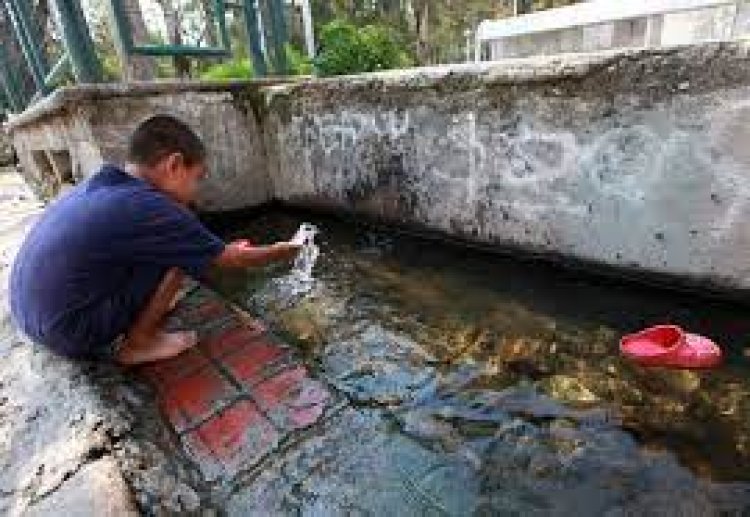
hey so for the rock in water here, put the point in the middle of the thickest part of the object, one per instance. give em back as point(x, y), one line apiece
point(568, 389)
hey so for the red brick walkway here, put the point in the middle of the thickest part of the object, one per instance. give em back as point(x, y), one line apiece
point(233, 399)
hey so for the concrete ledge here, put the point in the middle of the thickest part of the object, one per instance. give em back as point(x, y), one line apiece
point(71, 96)
point(614, 71)
point(67, 136)
point(507, 71)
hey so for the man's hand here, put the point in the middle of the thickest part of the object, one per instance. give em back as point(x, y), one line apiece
point(242, 253)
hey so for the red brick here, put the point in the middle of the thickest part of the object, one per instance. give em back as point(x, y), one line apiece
point(163, 373)
point(291, 399)
point(194, 398)
point(230, 341)
point(255, 360)
point(237, 439)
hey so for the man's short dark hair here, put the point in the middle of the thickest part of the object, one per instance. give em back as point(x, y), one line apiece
point(161, 135)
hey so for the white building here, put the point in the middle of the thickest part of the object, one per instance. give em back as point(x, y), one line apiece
point(606, 24)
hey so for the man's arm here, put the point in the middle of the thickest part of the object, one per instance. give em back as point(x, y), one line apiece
point(241, 254)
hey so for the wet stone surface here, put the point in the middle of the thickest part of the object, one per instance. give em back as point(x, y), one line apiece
point(492, 386)
point(356, 464)
point(376, 366)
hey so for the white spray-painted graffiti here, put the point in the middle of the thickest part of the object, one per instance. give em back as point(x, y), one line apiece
point(656, 193)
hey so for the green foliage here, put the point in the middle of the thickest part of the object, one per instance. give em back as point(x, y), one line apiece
point(243, 68)
point(347, 49)
point(236, 69)
point(299, 63)
point(354, 35)
point(110, 65)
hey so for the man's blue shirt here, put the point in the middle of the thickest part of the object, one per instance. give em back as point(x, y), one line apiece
point(94, 258)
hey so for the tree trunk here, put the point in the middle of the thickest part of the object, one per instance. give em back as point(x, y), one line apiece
point(41, 14)
point(322, 11)
point(133, 66)
point(423, 32)
point(212, 37)
point(409, 14)
point(525, 6)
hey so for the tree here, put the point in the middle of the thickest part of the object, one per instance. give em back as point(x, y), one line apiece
point(434, 30)
point(422, 30)
point(347, 49)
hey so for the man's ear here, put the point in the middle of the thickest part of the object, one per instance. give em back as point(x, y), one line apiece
point(175, 162)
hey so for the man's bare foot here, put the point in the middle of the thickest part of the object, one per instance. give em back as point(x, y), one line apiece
point(138, 350)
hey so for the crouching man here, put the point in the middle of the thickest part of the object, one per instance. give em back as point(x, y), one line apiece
point(101, 269)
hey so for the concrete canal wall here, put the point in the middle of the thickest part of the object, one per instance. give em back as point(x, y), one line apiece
point(633, 159)
point(69, 134)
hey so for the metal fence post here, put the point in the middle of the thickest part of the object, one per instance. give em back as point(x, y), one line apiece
point(34, 31)
point(251, 23)
point(10, 82)
point(78, 42)
point(221, 23)
point(307, 22)
point(278, 36)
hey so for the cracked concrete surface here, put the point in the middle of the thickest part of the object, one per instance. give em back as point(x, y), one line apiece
point(56, 433)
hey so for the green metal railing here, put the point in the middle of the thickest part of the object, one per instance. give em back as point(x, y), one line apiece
point(125, 33)
point(278, 36)
point(79, 53)
point(13, 91)
point(29, 39)
point(250, 10)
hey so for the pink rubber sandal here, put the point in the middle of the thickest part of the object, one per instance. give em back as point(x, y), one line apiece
point(671, 347)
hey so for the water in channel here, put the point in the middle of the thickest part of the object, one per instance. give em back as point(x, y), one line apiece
point(511, 369)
